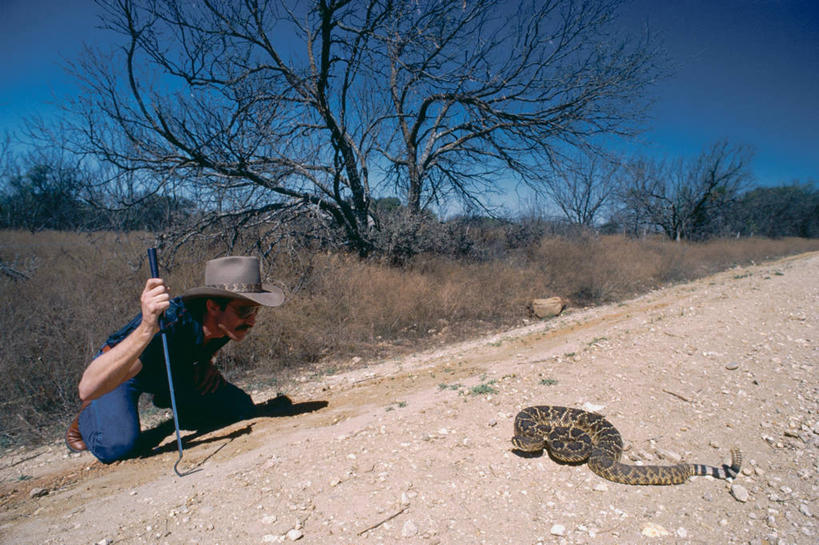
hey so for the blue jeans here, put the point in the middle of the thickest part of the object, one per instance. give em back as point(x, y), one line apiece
point(110, 424)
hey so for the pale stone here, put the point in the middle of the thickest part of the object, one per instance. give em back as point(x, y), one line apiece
point(669, 455)
point(558, 530)
point(654, 530)
point(546, 308)
point(739, 492)
point(409, 529)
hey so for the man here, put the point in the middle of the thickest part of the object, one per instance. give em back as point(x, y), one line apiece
point(131, 361)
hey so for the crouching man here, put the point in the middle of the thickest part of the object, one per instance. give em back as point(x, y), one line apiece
point(131, 362)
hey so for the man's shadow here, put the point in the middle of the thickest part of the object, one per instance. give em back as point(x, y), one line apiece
point(279, 406)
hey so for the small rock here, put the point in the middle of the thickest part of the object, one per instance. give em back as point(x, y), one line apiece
point(602, 487)
point(38, 492)
point(547, 308)
point(104, 541)
point(739, 492)
point(682, 533)
point(643, 455)
point(493, 423)
point(803, 508)
point(733, 366)
point(409, 529)
point(669, 455)
point(592, 408)
point(708, 496)
point(269, 519)
point(558, 530)
point(270, 538)
point(294, 534)
point(654, 530)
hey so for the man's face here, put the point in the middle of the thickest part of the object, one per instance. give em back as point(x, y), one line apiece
point(236, 319)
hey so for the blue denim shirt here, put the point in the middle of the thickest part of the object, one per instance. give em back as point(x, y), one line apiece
point(186, 348)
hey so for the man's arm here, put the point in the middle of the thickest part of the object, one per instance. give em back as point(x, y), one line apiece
point(115, 366)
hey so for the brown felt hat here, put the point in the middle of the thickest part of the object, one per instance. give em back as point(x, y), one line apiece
point(237, 277)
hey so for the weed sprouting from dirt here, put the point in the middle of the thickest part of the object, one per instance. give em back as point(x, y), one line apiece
point(483, 389)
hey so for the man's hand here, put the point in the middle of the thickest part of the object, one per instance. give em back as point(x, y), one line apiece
point(207, 378)
point(155, 300)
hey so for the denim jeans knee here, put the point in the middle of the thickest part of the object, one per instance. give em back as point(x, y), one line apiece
point(110, 424)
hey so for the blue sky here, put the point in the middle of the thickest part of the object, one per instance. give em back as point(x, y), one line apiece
point(744, 70)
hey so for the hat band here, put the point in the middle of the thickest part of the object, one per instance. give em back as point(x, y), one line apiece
point(238, 287)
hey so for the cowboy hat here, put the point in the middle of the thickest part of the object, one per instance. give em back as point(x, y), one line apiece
point(236, 277)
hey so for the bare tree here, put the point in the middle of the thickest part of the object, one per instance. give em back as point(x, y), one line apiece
point(266, 107)
point(686, 198)
point(584, 186)
point(487, 90)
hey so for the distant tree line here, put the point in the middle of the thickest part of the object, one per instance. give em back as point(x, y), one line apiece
point(52, 197)
point(710, 195)
point(695, 200)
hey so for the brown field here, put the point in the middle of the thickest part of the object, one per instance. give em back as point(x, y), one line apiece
point(341, 311)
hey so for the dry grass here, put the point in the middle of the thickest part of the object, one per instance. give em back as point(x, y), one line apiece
point(82, 287)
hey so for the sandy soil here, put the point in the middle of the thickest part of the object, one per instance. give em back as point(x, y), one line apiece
point(416, 449)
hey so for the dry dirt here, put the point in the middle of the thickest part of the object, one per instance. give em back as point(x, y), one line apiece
point(416, 449)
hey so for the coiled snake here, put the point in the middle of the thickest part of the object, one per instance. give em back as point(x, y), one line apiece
point(576, 436)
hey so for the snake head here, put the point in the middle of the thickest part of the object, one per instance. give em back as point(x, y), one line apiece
point(528, 444)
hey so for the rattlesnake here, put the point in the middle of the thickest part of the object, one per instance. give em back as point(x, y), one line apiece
point(576, 436)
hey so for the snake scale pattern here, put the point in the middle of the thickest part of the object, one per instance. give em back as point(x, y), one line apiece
point(576, 436)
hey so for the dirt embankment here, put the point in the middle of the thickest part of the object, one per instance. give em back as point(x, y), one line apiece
point(416, 450)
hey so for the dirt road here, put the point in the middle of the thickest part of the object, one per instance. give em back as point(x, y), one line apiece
point(416, 450)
